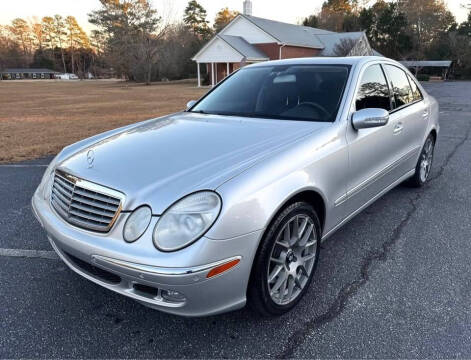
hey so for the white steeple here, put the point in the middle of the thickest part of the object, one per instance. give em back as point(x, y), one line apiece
point(247, 7)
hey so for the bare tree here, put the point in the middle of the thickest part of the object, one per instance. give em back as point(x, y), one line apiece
point(344, 47)
point(224, 17)
point(133, 31)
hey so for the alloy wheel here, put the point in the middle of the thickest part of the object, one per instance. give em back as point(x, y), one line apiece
point(292, 259)
point(426, 160)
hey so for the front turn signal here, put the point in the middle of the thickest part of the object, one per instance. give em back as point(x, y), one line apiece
point(222, 268)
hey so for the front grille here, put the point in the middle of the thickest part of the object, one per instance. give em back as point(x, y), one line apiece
point(85, 204)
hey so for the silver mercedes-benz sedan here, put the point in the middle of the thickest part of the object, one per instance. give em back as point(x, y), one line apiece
point(226, 203)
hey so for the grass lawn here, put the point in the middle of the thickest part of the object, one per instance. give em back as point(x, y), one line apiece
point(39, 118)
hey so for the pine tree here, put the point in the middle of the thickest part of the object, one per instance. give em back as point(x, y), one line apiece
point(195, 18)
point(59, 33)
point(47, 24)
point(22, 33)
point(37, 33)
point(73, 34)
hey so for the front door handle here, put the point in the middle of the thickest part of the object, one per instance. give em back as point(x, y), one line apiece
point(398, 128)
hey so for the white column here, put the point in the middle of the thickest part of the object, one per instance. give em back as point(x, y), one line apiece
point(228, 69)
point(199, 74)
point(212, 74)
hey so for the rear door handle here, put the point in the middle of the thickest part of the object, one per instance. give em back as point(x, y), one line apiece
point(398, 128)
point(425, 113)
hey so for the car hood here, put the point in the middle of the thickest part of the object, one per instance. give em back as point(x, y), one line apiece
point(159, 161)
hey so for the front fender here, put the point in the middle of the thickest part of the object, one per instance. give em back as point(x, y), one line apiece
point(252, 199)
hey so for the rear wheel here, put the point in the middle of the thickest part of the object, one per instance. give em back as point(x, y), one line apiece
point(286, 261)
point(424, 164)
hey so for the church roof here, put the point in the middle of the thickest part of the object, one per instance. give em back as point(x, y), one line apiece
point(290, 34)
point(249, 51)
point(285, 34)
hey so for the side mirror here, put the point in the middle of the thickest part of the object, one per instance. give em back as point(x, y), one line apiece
point(190, 104)
point(369, 118)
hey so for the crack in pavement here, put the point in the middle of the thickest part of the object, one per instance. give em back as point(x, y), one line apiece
point(450, 155)
point(350, 289)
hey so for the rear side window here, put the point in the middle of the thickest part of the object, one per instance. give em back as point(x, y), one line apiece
point(416, 94)
point(373, 91)
point(400, 85)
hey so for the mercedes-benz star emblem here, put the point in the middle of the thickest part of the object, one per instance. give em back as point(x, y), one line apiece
point(90, 158)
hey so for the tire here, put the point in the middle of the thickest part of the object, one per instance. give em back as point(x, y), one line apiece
point(424, 164)
point(285, 264)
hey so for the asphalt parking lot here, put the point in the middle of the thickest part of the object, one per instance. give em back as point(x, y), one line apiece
point(393, 283)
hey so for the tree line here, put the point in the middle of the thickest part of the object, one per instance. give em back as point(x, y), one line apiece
point(143, 46)
point(130, 40)
point(133, 41)
point(52, 42)
point(403, 29)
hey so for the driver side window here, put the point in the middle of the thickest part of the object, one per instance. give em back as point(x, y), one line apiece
point(373, 91)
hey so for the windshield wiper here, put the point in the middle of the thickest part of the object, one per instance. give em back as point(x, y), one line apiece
point(199, 112)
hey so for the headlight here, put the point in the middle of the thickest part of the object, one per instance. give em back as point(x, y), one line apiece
point(137, 223)
point(46, 182)
point(187, 220)
point(47, 189)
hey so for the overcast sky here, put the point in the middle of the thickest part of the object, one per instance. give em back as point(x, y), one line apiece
point(283, 10)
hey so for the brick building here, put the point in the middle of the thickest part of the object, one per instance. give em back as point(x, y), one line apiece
point(249, 39)
point(27, 73)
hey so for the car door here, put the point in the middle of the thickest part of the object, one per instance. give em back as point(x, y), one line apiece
point(410, 114)
point(373, 153)
point(418, 127)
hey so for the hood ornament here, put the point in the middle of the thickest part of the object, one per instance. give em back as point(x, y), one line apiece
point(90, 158)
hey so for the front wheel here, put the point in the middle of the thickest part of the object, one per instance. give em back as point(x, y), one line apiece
point(286, 261)
point(424, 164)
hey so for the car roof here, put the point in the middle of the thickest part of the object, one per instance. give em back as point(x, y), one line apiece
point(349, 60)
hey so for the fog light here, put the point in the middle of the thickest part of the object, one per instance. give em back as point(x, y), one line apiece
point(173, 296)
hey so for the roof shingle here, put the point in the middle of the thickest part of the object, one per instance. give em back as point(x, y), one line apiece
point(290, 34)
point(242, 46)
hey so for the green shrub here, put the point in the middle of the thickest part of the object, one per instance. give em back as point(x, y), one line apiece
point(423, 77)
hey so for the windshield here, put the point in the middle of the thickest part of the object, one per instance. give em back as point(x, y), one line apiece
point(292, 92)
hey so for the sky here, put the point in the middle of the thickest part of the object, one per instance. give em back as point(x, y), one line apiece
point(291, 11)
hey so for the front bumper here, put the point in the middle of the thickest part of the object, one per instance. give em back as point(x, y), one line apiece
point(141, 272)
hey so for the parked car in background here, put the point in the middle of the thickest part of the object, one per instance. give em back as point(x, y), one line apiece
point(67, 76)
point(199, 212)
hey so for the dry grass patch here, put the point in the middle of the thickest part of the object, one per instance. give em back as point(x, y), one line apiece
point(39, 118)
